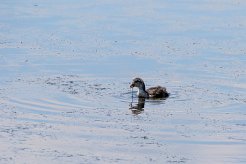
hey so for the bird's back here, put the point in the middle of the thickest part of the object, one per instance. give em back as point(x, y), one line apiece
point(157, 92)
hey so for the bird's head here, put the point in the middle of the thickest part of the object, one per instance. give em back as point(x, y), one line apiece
point(138, 82)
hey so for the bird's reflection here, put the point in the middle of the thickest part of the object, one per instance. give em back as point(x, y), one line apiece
point(138, 107)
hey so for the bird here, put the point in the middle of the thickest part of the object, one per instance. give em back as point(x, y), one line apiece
point(153, 92)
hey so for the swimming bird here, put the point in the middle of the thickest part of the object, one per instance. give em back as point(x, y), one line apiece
point(153, 92)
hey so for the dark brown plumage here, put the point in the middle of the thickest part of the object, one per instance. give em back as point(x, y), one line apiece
point(157, 92)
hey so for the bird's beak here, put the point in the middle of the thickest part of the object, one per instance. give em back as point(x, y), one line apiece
point(132, 85)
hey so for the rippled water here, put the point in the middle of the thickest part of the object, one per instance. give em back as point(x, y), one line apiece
point(66, 67)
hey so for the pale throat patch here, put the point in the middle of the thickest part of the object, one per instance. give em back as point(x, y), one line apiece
point(141, 93)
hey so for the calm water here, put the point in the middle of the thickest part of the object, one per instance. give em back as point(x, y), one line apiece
point(66, 67)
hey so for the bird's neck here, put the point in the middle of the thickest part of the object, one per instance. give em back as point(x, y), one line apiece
point(142, 93)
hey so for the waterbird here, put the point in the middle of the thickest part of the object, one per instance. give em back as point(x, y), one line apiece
point(153, 92)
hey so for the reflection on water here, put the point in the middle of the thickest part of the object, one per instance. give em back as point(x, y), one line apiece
point(138, 107)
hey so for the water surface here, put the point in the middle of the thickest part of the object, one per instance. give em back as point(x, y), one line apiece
point(66, 67)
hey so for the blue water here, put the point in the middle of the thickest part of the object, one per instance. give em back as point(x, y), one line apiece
point(66, 67)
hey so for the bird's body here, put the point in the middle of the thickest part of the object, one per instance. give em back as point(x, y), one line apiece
point(153, 92)
point(157, 92)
